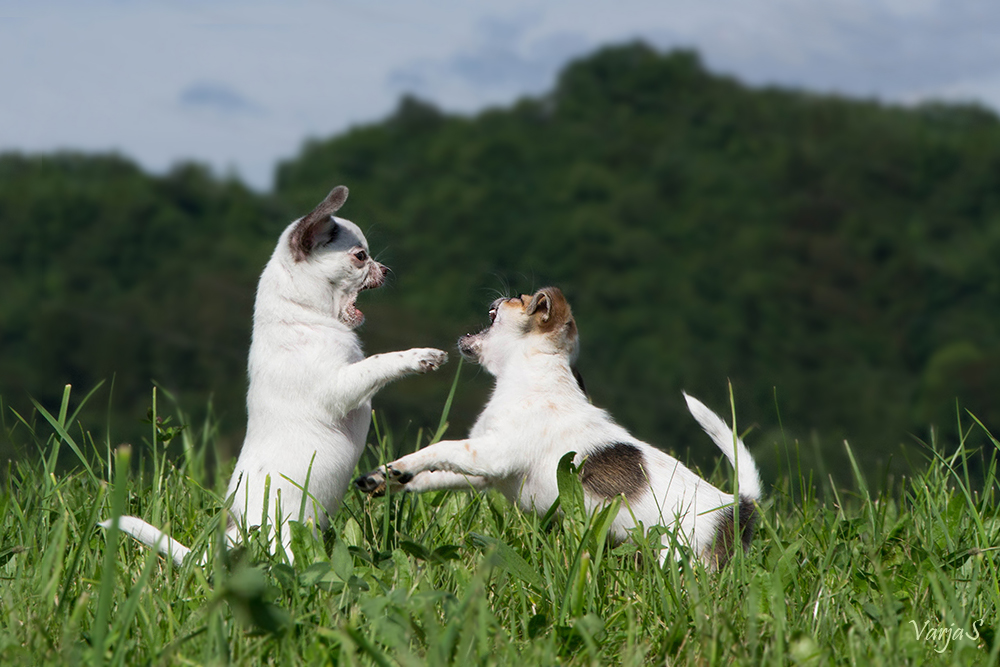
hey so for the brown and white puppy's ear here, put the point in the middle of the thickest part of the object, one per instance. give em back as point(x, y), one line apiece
point(551, 316)
point(311, 229)
point(541, 303)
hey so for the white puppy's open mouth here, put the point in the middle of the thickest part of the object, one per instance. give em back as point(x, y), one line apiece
point(350, 314)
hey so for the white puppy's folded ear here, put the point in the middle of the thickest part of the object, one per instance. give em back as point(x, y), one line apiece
point(539, 303)
point(309, 228)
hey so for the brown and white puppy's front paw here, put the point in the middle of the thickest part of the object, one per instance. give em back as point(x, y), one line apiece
point(397, 475)
point(376, 482)
point(372, 483)
point(426, 359)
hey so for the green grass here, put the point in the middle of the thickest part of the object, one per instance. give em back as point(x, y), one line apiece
point(863, 577)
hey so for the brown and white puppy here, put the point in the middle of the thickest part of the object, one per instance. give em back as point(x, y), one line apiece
point(311, 386)
point(538, 412)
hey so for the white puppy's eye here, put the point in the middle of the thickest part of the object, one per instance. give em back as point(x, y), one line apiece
point(360, 255)
point(493, 315)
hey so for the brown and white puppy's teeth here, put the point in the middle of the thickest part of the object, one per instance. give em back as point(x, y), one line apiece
point(470, 345)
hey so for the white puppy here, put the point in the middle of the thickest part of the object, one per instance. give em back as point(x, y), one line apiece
point(538, 412)
point(309, 399)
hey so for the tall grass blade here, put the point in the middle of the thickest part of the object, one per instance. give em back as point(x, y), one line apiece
point(64, 435)
point(443, 424)
point(106, 594)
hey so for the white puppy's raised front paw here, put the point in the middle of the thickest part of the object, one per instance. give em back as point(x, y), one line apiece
point(425, 359)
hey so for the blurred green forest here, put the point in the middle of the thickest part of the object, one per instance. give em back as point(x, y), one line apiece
point(835, 258)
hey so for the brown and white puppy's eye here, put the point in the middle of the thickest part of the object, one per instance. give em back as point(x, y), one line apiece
point(493, 314)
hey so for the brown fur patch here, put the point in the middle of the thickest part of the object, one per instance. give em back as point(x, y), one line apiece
point(549, 310)
point(722, 548)
point(571, 331)
point(615, 469)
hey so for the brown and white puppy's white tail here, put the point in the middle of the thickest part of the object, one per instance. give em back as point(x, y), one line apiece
point(747, 478)
point(731, 445)
point(152, 537)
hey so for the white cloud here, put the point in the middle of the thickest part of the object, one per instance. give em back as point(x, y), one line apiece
point(890, 49)
point(241, 84)
point(499, 62)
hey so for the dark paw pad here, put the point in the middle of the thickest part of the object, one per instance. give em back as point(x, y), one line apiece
point(371, 483)
point(398, 477)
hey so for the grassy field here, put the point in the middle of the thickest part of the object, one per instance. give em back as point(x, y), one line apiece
point(905, 575)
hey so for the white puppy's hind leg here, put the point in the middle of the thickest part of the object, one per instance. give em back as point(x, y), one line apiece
point(152, 537)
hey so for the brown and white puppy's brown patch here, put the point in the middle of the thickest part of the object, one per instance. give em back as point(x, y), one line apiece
point(311, 386)
point(615, 469)
point(539, 411)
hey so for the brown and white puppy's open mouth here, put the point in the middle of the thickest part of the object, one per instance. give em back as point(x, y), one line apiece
point(539, 411)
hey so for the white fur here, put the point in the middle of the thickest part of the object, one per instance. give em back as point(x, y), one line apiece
point(309, 399)
point(537, 413)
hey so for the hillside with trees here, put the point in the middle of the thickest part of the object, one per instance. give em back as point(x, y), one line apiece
point(834, 258)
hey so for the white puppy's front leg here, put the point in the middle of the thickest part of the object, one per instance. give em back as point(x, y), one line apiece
point(356, 383)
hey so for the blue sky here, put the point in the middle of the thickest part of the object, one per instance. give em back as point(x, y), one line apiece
point(240, 85)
